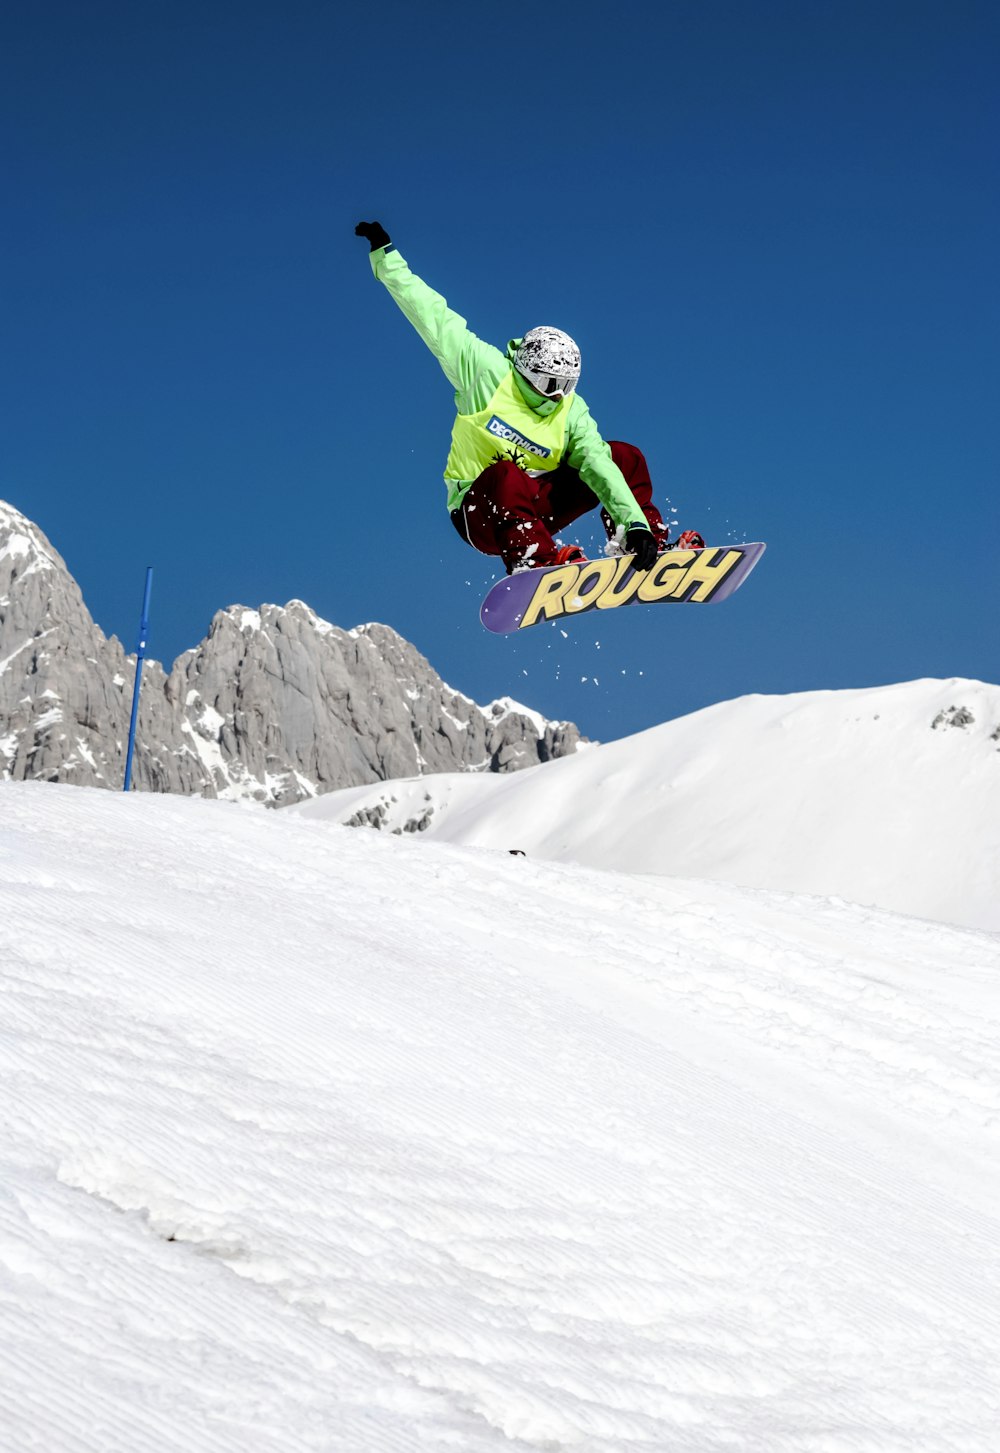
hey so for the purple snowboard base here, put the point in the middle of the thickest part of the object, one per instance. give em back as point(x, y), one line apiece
point(680, 576)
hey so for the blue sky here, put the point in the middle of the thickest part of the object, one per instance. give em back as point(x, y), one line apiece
point(772, 227)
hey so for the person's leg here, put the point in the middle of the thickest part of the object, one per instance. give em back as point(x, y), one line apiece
point(632, 463)
point(509, 513)
point(570, 497)
point(505, 513)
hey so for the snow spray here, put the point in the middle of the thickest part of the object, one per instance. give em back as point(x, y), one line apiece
point(139, 658)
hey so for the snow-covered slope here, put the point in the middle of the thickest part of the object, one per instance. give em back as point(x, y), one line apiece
point(324, 1140)
point(887, 796)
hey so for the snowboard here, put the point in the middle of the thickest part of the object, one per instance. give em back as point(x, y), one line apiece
point(555, 591)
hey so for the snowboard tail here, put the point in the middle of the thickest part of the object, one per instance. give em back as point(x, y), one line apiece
point(680, 576)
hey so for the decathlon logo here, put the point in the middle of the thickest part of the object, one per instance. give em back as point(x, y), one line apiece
point(500, 430)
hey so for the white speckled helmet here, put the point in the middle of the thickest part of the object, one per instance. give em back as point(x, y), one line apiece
point(550, 361)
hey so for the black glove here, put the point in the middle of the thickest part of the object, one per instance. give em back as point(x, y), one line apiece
point(641, 542)
point(374, 233)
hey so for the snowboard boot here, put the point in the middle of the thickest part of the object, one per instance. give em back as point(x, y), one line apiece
point(561, 555)
point(686, 540)
point(569, 555)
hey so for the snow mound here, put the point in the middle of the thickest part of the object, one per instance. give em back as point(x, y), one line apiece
point(888, 796)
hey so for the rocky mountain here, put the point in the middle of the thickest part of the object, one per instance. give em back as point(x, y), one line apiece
point(275, 705)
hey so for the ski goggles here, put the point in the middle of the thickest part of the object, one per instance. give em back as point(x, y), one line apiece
point(549, 385)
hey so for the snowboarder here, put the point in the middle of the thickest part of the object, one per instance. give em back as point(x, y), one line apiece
point(526, 457)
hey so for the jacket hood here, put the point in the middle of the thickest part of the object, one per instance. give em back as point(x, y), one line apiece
point(534, 400)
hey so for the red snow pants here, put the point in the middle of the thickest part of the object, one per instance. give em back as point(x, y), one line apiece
point(511, 514)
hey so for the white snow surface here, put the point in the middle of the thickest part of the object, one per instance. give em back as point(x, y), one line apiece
point(887, 796)
point(316, 1139)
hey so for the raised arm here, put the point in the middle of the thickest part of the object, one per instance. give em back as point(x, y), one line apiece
point(463, 357)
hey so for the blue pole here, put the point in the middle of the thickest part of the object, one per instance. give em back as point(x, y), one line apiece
point(140, 657)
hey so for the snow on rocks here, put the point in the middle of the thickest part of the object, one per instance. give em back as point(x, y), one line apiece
point(286, 705)
point(317, 1139)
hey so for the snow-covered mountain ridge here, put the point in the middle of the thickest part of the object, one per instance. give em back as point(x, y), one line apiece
point(324, 1140)
point(885, 795)
point(275, 705)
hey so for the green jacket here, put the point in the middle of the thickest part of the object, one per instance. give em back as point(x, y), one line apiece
point(475, 371)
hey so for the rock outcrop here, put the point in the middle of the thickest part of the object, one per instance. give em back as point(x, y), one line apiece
point(275, 705)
